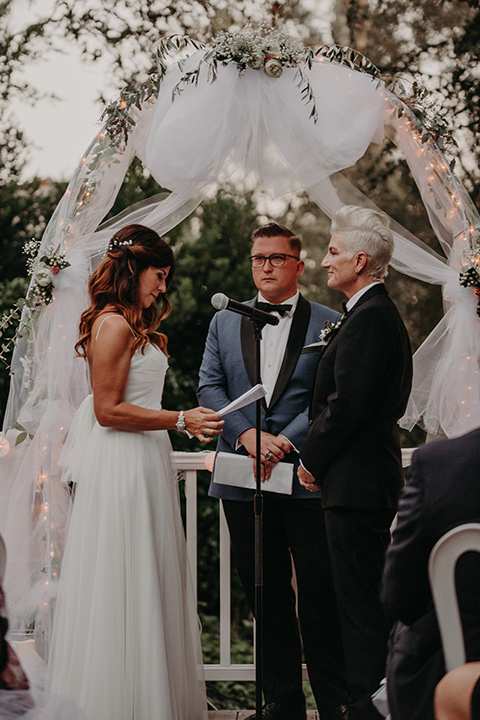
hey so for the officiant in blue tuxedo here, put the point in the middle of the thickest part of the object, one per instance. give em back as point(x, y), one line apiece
point(293, 525)
point(352, 452)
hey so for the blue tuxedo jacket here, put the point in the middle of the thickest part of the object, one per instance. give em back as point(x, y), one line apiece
point(228, 370)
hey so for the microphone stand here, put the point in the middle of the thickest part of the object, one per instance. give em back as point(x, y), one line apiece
point(258, 510)
point(259, 319)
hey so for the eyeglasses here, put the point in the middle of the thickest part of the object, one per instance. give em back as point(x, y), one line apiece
point(276, 260)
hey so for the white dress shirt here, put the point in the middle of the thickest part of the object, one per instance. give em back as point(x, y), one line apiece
point(274, 344)
point(355, 298)
point(272, 348)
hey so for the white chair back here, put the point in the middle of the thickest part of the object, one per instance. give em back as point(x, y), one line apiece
point(3, 559)
point(441, 572)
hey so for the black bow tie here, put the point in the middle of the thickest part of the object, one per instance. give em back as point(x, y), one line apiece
point(267, 307)
point(344, 306)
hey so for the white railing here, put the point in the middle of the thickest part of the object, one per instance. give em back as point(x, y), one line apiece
point(188, 464)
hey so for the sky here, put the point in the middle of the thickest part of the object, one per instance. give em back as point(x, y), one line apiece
point(61, 130)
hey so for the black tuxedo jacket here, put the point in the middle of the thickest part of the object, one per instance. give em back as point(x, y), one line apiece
point(362, 386)
point(443, 491)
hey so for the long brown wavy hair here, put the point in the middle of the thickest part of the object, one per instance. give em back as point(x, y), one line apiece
point(115, 282)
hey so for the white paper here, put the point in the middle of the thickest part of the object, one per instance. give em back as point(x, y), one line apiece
point(256, 392)
point(237, 470)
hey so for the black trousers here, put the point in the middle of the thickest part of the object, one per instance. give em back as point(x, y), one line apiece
point(357, 541)
point(296, 527)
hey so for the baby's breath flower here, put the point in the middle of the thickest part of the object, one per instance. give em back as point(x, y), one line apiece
point(255, 48)
point(42, 269)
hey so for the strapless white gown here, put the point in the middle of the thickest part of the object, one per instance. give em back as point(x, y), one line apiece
point(126, 643)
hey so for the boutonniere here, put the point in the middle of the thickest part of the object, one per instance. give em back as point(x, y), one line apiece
point(329, 329)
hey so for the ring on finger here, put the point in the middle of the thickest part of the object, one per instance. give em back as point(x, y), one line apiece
point(268, 455)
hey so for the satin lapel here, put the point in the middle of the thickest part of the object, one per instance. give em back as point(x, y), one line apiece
point(295, 343)
point(247, 337)
point(378, 289)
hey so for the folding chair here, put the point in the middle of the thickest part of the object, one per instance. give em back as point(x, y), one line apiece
point(441, 572)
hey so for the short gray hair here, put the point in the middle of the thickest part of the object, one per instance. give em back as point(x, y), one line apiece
point(366, 231)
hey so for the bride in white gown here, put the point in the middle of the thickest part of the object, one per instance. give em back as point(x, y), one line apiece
point(126, 644)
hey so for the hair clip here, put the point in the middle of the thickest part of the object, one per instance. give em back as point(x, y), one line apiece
point(115, 242)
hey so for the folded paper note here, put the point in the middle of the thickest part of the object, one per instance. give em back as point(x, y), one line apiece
point(237, 470)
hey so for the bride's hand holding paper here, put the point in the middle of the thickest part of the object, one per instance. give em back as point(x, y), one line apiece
point(203, 423)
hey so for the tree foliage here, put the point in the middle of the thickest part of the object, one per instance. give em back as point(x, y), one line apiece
point(434, 42)
point(21, 43)
point(25, 208)
point(211, 251)
point(24, 212)
point(127, 31)
point(437, 44)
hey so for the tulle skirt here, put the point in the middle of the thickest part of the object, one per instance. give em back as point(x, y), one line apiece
point(37, 705)
point(126, 642)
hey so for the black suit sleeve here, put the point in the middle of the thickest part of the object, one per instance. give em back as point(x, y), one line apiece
point(360, 376)
point(405, 587)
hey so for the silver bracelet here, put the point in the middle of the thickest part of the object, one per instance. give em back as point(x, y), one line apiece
point(181, 424)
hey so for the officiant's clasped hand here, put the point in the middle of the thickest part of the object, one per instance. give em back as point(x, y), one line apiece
point(273, 448)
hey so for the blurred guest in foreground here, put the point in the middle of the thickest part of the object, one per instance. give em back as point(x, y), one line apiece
point(442, 492)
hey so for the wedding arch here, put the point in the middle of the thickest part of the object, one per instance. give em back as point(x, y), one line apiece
point(252, 106)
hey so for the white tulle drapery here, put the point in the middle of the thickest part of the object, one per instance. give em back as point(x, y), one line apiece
point(248, 127)
point(257, 125)
point(446, 384)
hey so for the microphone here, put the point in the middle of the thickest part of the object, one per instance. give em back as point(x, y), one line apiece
point(222, 302)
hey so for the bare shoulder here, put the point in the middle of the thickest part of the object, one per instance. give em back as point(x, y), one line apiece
point(110, 333)
point(111, 323)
